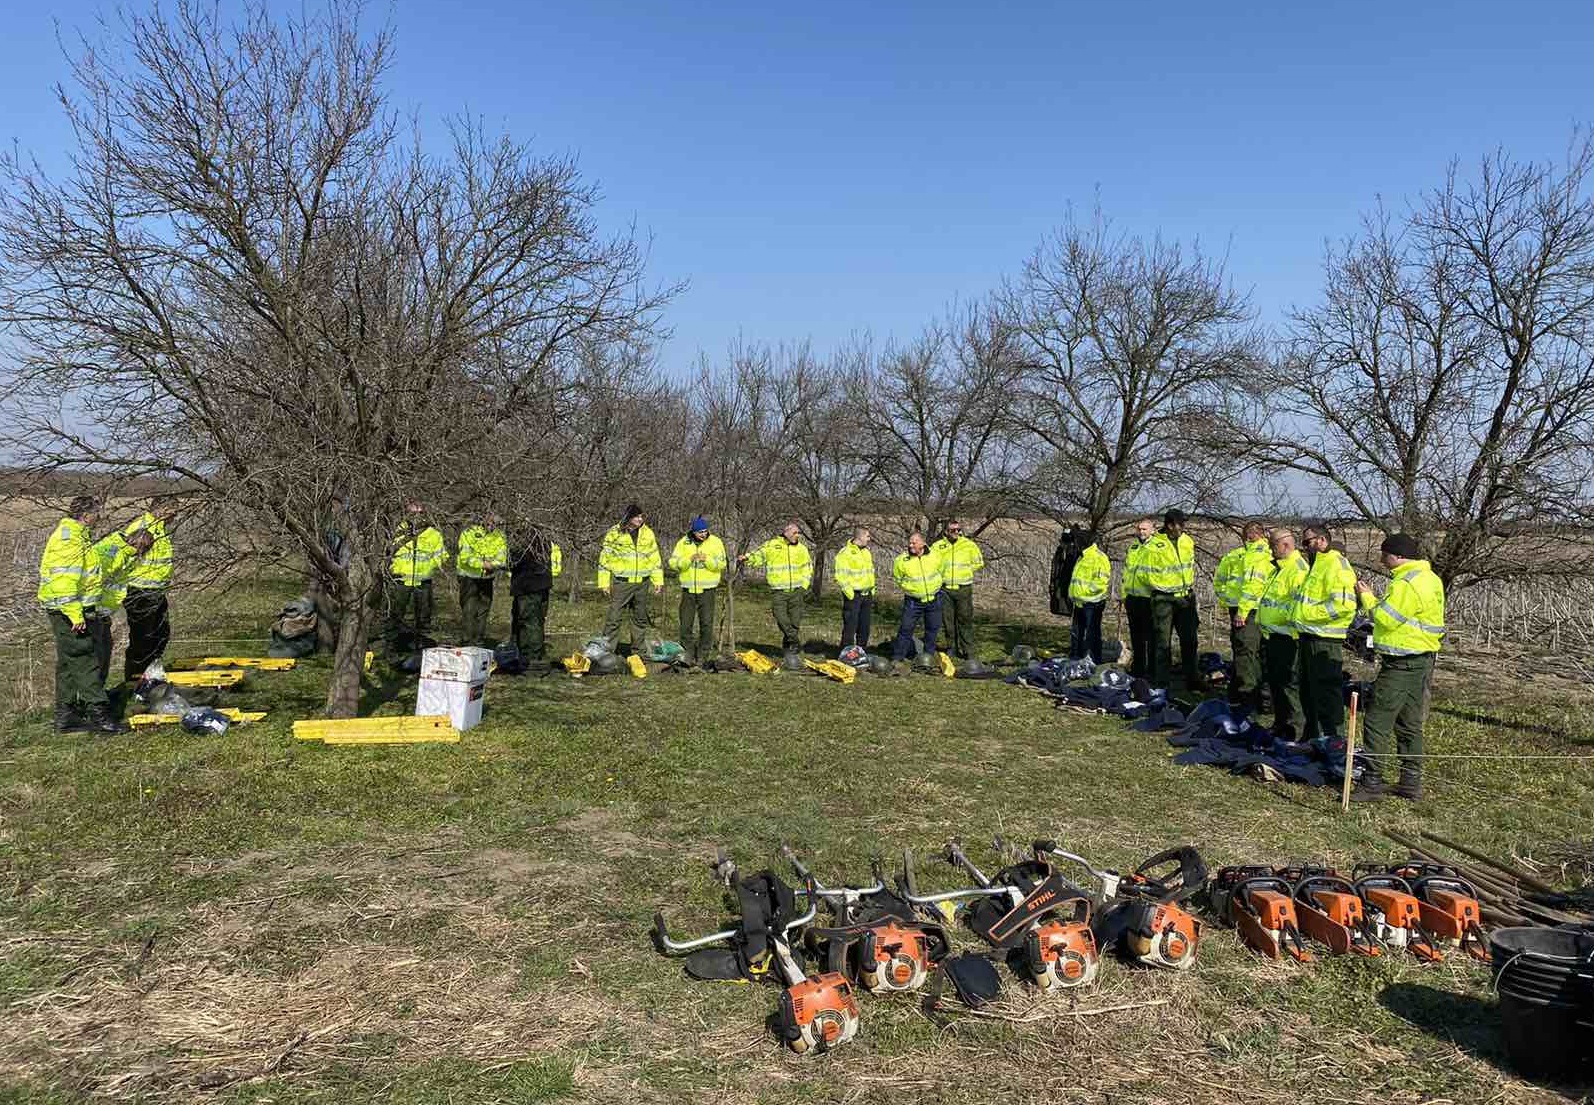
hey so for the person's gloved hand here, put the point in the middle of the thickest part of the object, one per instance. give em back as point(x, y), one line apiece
point(80, 627)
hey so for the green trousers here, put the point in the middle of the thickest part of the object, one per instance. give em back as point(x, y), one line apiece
point(1399, 708)
point(528, 619)
point(625, 595)
point(957, 618)
point(1321, 663)
point(697, 623)
point(1170, 615)
point(475, 606)
point(1245, 645)
point(1283, 682)
point(79, 687)
point(787, 606)
point(409, 617)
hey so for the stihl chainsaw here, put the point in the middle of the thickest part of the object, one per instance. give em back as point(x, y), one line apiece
point(1394, 911)
point(1261, 907)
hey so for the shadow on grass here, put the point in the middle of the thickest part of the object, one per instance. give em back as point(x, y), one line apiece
point(1483, 717)
point(1469, 1022)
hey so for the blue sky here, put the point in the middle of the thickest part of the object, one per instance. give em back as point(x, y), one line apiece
point(820, 169)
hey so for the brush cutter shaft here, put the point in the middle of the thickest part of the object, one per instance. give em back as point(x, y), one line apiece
point(680, 947)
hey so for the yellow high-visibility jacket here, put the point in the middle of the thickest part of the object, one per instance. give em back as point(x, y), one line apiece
point(1275, 610)
point(69, 571)
point(1168, 569)
point(1410, 618)
point(1252, 576)
point(918, 576)
point(1325, 605)
point(697, 578)
point(1135, 584)
point(854, 570)
point(482, 552)
point(960, 559)
point(1226, 577)
point(630, 558)
point(1092, 575)
point(418, 555)
point(787, 567)
point(556, 559)
point(118, 560)
point(153, 571)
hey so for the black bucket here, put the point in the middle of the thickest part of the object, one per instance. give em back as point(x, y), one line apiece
point(1545, 977)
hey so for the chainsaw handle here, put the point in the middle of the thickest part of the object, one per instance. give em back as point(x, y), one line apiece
point(1443, 882)
point(1321, 881)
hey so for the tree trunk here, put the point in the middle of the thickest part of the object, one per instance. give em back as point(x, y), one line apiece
point(348, 658)
point(819, 572)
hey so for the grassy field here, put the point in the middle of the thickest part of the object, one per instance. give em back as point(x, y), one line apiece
point(247, 919)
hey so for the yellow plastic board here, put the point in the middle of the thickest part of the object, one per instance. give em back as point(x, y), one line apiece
point(638, 668)
point(264, 663)
point(377, 730)
point(138, 721)
point(370, 658)
point(755, 661)
point(834, 669)
point(229, 678)
point(948, 668)
point(577, 663)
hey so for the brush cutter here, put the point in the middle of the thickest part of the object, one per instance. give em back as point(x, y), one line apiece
point(1041, 918)
point(1138, 914)
point(879, 941)
point(1330, 911)
point(1447, 905)
point(1394, 912)
point(816, 1013)
point(1261, 907)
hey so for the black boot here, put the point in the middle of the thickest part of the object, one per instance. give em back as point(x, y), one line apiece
point(1370, 789)
point(104, 721)
point(68, 720)
point(1410, 785)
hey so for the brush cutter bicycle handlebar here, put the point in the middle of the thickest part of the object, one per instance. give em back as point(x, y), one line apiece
point(662, 941)
point(846, 895)
point(910, 888)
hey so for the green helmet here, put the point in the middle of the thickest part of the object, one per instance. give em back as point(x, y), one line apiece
point(881, 665)
point(607, 664)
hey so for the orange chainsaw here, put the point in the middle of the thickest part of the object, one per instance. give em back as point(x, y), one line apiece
point(1447, 905)
point(1140, 914)
point(1330, 911)
point(1394, 912)
point(1261, 907)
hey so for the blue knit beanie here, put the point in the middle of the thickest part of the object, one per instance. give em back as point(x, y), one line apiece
point(699, 524)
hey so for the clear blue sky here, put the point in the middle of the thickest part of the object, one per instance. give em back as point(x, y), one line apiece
point(817, 169)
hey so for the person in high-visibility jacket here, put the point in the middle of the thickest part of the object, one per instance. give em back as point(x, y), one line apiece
point(69, 593)
point(1408, 625)
point(961, 559)
point(919, 573)
point(1275, 619)
point(118, 557)
point(1088, 593)
point(853, 571)
point(1242, 574)
point(535, 562)
point(629, 570)
point(789, 571)
point(1137, 599)
point(149, 623)
point(1167, 565)
point(419, 552)
point(698, 561)
point(482, 552)
point(1325, 605)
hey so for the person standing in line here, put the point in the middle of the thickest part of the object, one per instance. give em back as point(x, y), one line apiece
point(1137, 599)
point(69, 593)
point(149, 578)
point(853, 572)
point(961, 559)
point(1275, 618)
point(918, 573)
point(698, 561)
point(789, 571)
point(483, 552)
point(1088, 593)
point(629, 569)
point(534, 565)
point(1325, 605)
point(1243, 593)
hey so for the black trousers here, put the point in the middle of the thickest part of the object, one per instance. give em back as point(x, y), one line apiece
point(1084, 639)
point(149, 630)
point(856, 615)
point(1137, 612)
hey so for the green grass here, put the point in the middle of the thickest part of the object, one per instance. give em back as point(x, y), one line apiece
point(265, 920)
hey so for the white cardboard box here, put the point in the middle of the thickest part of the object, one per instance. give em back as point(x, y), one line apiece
point(462, 702)
point(462, 665)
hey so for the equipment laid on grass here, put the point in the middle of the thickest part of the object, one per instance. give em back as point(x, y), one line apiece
point(262, 663)
point(1261, 907)
point(454, 682)
point(636, 667)
point(755, 661)
point(216, 679)
point(1394, 911)
point(1330, 911)
point(1139, 915)
point(236, 716)
point(1447, 905)
point(833, 669)
point(377, 730)
point(816, 1013)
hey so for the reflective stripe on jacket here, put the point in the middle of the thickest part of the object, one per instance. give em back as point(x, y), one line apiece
point(853, 570)
point(960, 559)
point(1134, 583)
point(1254, 571)
point(418, 555)
point(697, 578)
point(1275, 611)
point(918, 576)
point(1325, 605)
point(1168, 569)
point(1226, 577)
point(1410, 618)
point(1092, 576)
point(482, 552)
point(629, 557)
point(153, 569)
point(787, 567)
point(69, 571)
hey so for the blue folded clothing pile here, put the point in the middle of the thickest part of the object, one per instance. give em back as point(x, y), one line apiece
point(1221, 735)
point(1111, 691)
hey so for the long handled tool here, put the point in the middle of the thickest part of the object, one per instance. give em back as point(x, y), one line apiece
point(1350, 750)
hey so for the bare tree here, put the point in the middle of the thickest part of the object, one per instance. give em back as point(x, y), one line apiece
point(1445, 385)
point(253, 281)
point(1127, 347)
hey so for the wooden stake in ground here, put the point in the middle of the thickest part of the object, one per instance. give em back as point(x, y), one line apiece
point(1350, 749)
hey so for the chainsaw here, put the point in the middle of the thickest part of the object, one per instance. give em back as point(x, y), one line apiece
point(816, 1013)
point(1394, 911)
point(878, 940)
point(1447, 905)
point(1261, 907)
point(1331, 912)
point(1039, 917)
point(1139, 914)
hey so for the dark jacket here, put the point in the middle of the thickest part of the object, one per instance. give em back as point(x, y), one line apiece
point(530, 565)
point(1063, 561)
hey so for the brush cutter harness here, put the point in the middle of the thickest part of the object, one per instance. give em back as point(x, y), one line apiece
point(1046, 931)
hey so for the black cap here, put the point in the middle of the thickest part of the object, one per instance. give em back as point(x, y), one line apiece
point(1175, 515)
point(1402, 545)
point(632, 511)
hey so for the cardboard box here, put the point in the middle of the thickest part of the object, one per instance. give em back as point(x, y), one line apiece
point(461, 665)
point(461, 701)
